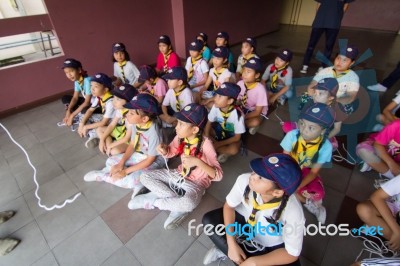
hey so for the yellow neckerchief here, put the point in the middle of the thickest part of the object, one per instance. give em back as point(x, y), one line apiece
point(123, 111)
point(166, 58)
point(248, 87)
point(217, 74)
point(225, 116)
point(305, 151)
point(244, 60)
point(139, 131)
point(80, 83)
point(152, 86)
point(177, 93)
point(105, 98)
point(274, 79)
point(121, 65)
point(194, 61)
point(203, 49)
point(186, 151)
point(336, 75)
point(257, 207)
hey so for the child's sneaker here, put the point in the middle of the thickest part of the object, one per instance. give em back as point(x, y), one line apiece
point(379, 181)
point(212, 255)
point(365, 168)
point(377, 87)
point(317, 209)
point(222, 158)
point(61, 124)
point(138, 189)
point(74, 127)
point(174, 219)
point(91, 142)
point(304, 69)
point(281, 100)
point(94, 176)
point(377, 128)
point(253, 130)
point(144, 201)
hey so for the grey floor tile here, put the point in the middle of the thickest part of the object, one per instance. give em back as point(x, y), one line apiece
point(62, 142)
point(22, 217)
point(46, 260)
point(306, 262)
point(234, 167)
point(53, 192)
point(57, 108)
point(336, 177)
point(332, 202)
point(74, 155)
point(193, 256)
point(11, 149)
point(361, 185)
point(87, 246)
point(347, 255)
point(37, 155)
point(59, 224)
point(17, 131)
point(49, 133)
point(121, 257)
point(167, 253)
point(32, 247)
point(271, 128)
point(44, 172)
point(314, 248)
point(5, 173)
point(102, 195)
point(9, 190)
point(205, 241)
point(77, 173)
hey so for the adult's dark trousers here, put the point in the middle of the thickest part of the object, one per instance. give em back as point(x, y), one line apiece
point(392, 78)
point(216, 217)
point(330, 38)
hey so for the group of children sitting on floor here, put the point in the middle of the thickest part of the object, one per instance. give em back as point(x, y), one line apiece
point(142, 117)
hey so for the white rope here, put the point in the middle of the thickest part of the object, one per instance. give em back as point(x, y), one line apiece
point(250, 244)
point(175, 186)
point(34, 178)
point(375, 248)
point(341, 158)
point(276, 114)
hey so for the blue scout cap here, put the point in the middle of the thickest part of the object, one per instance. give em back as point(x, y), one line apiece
point(144, 102)
point(196, 45)
point(164, 39)
point(176, 73)
point(102, 79)
point(224, 35)
point(221, 51)
point(350, 51)
point(286, 55)
point(126, 92)
point(320, 114)
point(328, 84)
point(146, 72)
point(229, 89)
point(251, 41)
point(203, 36)
point(193, 113)
point(254, 63)
point(280, 168)
point(72, 63)
point(117, 47)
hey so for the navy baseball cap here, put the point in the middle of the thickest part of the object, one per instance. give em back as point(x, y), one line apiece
point(176, 73)
point(286, 55)
point(146, 72)
point(328, 84)
point(196, 45)
point(193, 113)
point(251, 41)
point(221, 51)
point(229, 89)
point(280, 168)
point(102, 79)
point(144, 102)
point(72, 63)
point(126, 92)
point(224, 35)
point(164, 39)
point(203, 36)
point(320, 114)
point(254, 63)
point(118, 47)
point(350, 51)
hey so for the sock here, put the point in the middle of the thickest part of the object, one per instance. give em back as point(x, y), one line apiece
point(388, 174)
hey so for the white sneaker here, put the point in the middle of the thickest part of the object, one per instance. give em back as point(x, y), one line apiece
point(304, 69)
point(144, 201)
point(91, 142)
point(137, 189)
point(365, 168)
point(319, 69)
point(317, 209)
point(174, 219)
point(377, 127)
point(61, 124)
point(380, 181)
point(281, 100)
point(222, 158)
point(212, 255)
point(253, 130)
point(377, 87)
point(208, 94)
point(94, 176)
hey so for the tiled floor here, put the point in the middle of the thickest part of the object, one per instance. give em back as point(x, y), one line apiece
point(98, 228)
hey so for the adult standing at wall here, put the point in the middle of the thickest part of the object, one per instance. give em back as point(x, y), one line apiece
point(327, 20)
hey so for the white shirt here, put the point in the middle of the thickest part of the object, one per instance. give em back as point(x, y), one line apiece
point(131, 72)
point(233, 123)
point(200, 68)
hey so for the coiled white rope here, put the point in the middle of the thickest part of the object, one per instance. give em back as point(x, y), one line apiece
point(34, 178)
point(378, 248)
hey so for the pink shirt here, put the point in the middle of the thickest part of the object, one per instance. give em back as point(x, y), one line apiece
point(173, 61)
point(209, 156)
point(160, 88)
point(255, 97)
point(390, 138)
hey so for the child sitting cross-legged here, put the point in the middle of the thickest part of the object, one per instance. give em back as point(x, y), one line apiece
point(180, 191)
point(226, 121)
